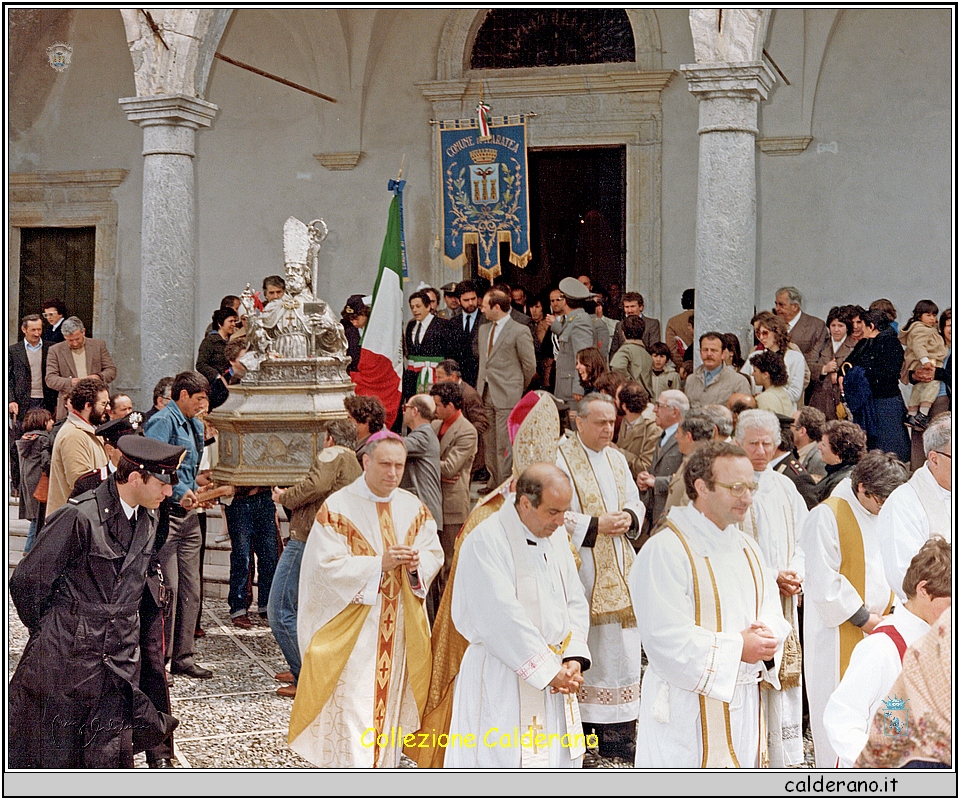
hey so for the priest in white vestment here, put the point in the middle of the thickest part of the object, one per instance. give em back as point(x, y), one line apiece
point(845, 591)
point(605, 514)
point(700, 700)
point(921, 508)
point(361, 623)
point(877, 661)
point(774, 522)
point(519, 603)
point(534, 430)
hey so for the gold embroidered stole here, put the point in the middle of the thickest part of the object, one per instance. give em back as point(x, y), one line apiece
point(853, 567)
point(333, 644)
point(717, 739)
point(610, 601)
point(791, 663)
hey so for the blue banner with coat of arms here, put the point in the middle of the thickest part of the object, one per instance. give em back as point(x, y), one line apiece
point(485, 198)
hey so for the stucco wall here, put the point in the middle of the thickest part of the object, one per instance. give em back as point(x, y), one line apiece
point(871, 220)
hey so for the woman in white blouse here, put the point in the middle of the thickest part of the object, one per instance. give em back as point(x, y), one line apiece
point(773, 334)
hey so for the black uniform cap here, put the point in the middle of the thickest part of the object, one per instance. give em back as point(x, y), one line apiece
point(152, 456)
point(449, 288)
point(112, 431)
point(355, 304)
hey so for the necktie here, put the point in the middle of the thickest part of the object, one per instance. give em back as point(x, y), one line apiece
point(466, 324)
point(493, 330)
point(416, 335)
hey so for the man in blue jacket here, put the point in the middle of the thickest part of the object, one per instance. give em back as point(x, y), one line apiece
point(179, 555)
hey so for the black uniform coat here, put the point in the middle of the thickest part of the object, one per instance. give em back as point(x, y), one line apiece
point(74, 699)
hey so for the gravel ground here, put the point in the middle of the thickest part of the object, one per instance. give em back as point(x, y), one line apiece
point(235, 719)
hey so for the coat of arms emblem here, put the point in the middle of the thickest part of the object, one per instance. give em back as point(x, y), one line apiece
point(59, 55)
point(895, 716)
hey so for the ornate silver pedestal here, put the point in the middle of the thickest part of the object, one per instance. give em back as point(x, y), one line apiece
point(272, 428)
point(294, 375)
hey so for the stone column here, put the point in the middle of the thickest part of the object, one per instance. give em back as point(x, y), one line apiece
point(168, 236)
point(726, 251)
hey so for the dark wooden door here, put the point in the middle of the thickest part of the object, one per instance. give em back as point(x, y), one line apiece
point(577, 217)
point(58, 263)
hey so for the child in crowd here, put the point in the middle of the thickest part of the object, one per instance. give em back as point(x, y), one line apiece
point(34, 468)
point(924, 345)
point(664, 374)
point(878, 659)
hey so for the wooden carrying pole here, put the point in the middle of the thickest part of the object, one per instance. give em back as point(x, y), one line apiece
point(276, 78)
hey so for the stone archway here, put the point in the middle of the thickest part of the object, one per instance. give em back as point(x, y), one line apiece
point(589, 105)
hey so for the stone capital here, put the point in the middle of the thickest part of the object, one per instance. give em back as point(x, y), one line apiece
point(752, 79)
point(729, 94)
point(169, 121)
point(169, 109)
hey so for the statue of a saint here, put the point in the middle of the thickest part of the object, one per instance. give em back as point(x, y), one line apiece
point(297, 325)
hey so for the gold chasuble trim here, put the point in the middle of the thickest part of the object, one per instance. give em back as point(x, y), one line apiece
point(331, 646)
point(853, 567)
point(715, 731)
point(610, 601)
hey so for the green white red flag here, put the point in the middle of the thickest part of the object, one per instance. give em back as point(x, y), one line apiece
point(381, 349)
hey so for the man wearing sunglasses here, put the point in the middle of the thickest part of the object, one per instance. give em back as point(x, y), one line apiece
point(710, 619)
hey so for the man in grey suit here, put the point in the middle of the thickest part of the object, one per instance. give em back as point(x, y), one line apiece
point(671, 407)
point(421, 473)
point(573, 331)
point(633, 307)
point(507, 364)
point(75, 358)
point(806, 332)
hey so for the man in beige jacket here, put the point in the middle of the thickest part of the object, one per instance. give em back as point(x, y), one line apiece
point(77, 449)
point(458, 446)
point(76, 358)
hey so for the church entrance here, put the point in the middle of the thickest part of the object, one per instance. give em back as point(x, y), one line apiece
point(577, 218)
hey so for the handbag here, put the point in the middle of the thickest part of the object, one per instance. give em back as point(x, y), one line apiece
point(43, 488)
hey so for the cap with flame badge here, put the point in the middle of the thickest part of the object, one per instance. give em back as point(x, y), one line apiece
point(152, 456)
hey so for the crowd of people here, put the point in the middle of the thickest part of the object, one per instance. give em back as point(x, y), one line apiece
point(772, 533)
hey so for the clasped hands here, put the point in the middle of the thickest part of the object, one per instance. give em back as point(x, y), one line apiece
point(789, 582)
point(568, 680)
point(401, 554)
point(646, 480)
point(614, 523)
point(759, 643)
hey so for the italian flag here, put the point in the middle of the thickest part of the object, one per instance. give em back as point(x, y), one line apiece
point(381, 349)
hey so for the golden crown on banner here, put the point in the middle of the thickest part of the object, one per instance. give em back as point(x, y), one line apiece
point(483, 155)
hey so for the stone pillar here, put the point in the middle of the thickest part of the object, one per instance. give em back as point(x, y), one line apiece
point(726, 251)
point(168, 236)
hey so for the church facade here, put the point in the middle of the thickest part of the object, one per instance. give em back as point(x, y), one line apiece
point(183, 167)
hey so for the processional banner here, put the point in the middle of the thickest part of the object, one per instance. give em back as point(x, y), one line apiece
point(484, 187)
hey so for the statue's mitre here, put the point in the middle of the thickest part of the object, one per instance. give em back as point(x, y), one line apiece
point(296, 241)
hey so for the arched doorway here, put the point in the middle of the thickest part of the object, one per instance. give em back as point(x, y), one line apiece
point(576, 107)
